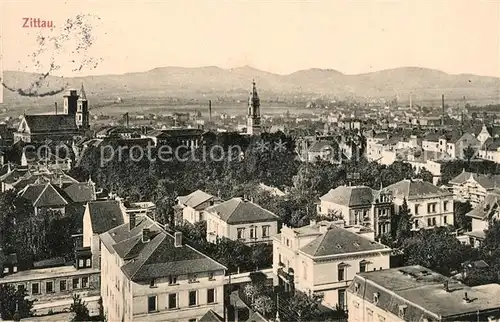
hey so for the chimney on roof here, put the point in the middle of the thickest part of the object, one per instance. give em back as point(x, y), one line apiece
point(131, 220)
point(466, 298)
point(312, 222)
point(446, 286)
point(146, 235)
point(323, 228)
point(178, 239)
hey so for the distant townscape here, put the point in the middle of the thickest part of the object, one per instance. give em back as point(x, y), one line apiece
point(352, 211)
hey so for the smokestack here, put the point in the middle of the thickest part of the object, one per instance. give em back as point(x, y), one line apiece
point(209, 110)
point(55, 104)
point(410, 101)
point(127, 121)
point(442, 106)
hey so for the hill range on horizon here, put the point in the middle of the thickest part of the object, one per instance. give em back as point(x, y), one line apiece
point(216, 83)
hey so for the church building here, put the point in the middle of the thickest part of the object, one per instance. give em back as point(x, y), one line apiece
point(73, 122)
point(253, 116)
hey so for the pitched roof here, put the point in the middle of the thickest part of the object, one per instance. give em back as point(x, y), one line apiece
point(351, 196)
point(105, 215)
point(239, 211)
point(491, 144)
point(323, 146)
point(337, 240)
point(488, 208)
point(414, 189)
point(80, 192)
point(422, 293)
point(48, 123)
point(43, 195)
point(211, 316)
point(195, 199)
point(486, 181)
point(157, 257)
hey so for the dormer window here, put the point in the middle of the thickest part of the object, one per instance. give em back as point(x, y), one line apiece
point(376, 296)
point(356, 287)
point(402, 311)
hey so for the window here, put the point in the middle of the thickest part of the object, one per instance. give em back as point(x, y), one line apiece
point(80, 263)
point(85, 282)
point(192, 278)
point(402, 311)
point(211, 295)
point(20, 287)
point(376, 296)
point(172, 301)
point(252, 233)
point(434, 221)
point(192, 320)
point(152, 303)
point(362, 267)
point(14, 269)
point(88, 263)
point(380, 318)
point(192, 298)
point(369, 313)
point(416, 209)
point(172, 279)
point(35, 288)
point(49, 287)
point(445, 219)
point(62, 286)
point(265, 231)
point(152, 283)
point(5, 270)
point(211, 276)
point(287, 242)
point(429, 222)
point(445, 206)
point(431, 208)
point(240, 233)
point(416, 223)
point(76, 283)
point(341, 294)
point(341, 273)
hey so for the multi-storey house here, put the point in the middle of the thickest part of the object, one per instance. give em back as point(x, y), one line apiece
point(429, 205)
point(240, 219)
point(481, 216)
point(324, 258)
point(149, 274)
point(358, 206)
point(473, 187)
point(190, 208)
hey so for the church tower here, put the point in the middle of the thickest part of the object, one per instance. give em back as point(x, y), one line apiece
point(253, 116)
point(82, 111)
point(70, 102)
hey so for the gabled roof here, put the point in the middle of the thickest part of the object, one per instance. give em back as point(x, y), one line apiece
point(337, 240)
point(195, 199)
point(491, 144)
point(487, 208)
point(80, 192)
point(211, 316)
point(43, 195)
point(48, 123)
point(157, 257)
point(239, 211)
point(415, 189)
point(486, 181)
point(351, 196)
point(323, 146)
point(105, 215)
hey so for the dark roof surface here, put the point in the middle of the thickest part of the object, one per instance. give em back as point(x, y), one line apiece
point(237, 211)
point(414, 189)
point(337, 241)
point(350, 196)
point(105, 215)
point(47, 123)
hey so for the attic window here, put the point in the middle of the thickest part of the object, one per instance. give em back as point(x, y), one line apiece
point(339, 246)
point(402, 311)
point(356, 287)
point(376, 296)
point(356, 244)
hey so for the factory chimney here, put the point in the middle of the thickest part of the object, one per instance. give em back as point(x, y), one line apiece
point(55, 104)
point(442, 106)
point(410, 101)
point(209, 110)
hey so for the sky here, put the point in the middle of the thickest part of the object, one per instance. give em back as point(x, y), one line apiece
point(457, 36)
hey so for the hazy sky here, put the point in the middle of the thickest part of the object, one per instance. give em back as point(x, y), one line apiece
point(457, 36)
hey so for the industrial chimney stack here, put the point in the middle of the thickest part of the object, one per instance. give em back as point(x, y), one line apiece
point(442, 106)
point(55, 104)
point(210, 111)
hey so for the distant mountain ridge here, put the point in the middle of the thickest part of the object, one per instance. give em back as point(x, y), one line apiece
point(211, 81)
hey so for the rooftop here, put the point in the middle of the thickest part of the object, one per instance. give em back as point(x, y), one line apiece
point(46, 273)
point(350, 196)
point(239, 211)
point(415, 189)
point(424, 293)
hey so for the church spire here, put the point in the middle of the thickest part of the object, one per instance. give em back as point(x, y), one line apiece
point(83, 96)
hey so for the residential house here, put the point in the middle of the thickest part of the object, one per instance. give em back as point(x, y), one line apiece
point(190, 208)
point(324, 258)
point(429, 205)
point(473, 187)
point(326, 151)
point(415, 293)
point(481, 217)
point(490, 150)
point(240, 219)
point(99, 217)
point(454, 143)
point(149, 274)
point(358, 206)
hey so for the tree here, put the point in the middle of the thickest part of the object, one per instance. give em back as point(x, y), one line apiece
point(469, 153)
point(460, 210)
point(262, 256)
point(305, 307)
point(13, 304)
point(425, 175)
point(263, 304)
point(403, 224)
point(79, 308)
